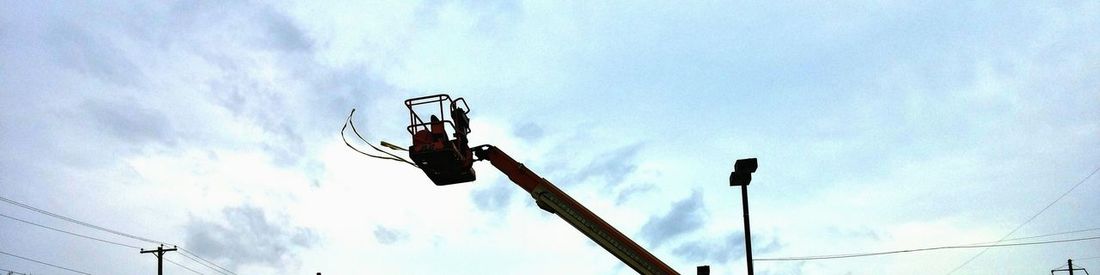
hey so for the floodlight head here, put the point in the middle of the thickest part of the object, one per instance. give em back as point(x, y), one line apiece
point(742, 172)
point(745, 165)
point(740, 178)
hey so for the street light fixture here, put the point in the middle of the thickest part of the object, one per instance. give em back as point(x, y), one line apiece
point(741, 176)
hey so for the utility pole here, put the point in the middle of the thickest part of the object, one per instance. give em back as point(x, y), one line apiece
point(159, 252)
point(741, 176)
point(1069, 267)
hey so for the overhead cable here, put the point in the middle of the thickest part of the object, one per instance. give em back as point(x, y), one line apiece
point(70, 233)
point(62, 217)
point(12, 272)
point(1044, 235)
point(1083, 268)
point(110, 242)
point(45, 263)
point(48, 213)
point(184, 267)
point(838, 256)
point(201, 261)
point(1028, 219)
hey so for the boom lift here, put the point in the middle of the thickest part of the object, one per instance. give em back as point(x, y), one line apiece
point(448, 160)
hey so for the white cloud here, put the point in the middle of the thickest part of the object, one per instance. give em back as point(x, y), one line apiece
point(877, 127)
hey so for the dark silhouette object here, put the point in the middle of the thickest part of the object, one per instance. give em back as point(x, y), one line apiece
point(1069, 268)
point(742, 172)
point(741, 176)
point(159, 252)
point(9, 272)
point(702, 270)
point(445, 161)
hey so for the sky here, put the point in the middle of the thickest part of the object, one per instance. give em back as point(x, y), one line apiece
point(878, 125)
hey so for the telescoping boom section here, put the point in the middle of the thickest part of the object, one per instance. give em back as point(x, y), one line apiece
point(554, 200)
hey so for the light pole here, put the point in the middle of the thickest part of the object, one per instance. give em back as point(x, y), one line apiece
point(741, 176)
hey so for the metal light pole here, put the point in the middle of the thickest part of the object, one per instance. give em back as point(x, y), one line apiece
point(741, 176)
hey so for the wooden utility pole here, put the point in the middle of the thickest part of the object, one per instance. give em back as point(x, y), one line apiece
point(159, 252)
point(1069, 267)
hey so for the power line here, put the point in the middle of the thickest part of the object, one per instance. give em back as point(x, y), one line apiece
point(48, 213)
point(67, 232)
point(222, 271)
point(62, 217)
point(11, 272)
point(45, 263)
point(838, 256)
point(1085, 269)
point(110, 242)
point(1081, 266)
point(982, 243)
point(1044, 235)
point(201, 263)
point(1028, 219)
point(185, 267)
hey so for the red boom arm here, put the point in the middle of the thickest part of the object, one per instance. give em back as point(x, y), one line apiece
point(554, 200)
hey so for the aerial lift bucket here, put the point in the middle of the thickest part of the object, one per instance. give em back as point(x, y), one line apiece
point(444, 159)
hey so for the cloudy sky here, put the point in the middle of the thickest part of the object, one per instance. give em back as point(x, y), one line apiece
point(214, 125)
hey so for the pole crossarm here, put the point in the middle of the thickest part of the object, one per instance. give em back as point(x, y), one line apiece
point(159, 253)
point(1069, 268)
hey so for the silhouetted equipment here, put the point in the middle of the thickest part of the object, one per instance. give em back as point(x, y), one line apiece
point(741, 176)
point(1069, 268)
point(449, 161)
point(702, 270)
point(445, 160)
point(742, 172)
point(12, 272)
point(159, 252)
